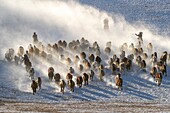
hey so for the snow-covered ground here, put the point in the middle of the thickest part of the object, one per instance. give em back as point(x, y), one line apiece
point(71, 20)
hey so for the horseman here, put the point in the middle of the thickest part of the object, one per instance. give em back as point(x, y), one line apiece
point(140, 37)
point(35, 38)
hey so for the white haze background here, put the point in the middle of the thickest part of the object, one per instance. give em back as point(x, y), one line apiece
point(54, 20)
point(71, 20)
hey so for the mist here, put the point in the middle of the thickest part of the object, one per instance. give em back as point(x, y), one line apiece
point(54, 20)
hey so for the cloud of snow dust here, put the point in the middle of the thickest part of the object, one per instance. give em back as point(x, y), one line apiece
point(54, 20)
point(69, 20)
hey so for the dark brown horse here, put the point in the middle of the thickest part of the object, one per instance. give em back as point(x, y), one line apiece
point(69, 76)
point(71, 84)
point(57, 78)
point(50, 73)
point(79, 81)
point(85, 78)
point(39, 82)
point(34, 86)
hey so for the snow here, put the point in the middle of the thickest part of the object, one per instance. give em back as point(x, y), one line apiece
point(71, 20)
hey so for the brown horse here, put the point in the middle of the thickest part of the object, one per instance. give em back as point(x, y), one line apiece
point(71, 84)
point(34, 86)
point(62, 86)
point(79, 81)
point(85, 78)
point(91, 58)
point(57, 78)
point(69, 76)
point(153, 72)
point(83, 55)
point(158, 78)
point(119, 81)
point(50, 73)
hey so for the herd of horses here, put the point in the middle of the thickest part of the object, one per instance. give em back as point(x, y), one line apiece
point(87, 61)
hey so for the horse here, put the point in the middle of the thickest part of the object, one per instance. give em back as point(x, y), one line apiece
point(71, 70)
point(76, 59)
point(119, 81)
point(69, 76)
point(163, 69)
point(144, 56)
point(140, 50)
point(153, 71)
point(108, 44)
point(87, 65)
point(158, 78)
point(31, 72)
point(128, 65)
point(34, 86)
point(122, 54)
point(153, 59)
point(16, 59)
point(143, 65)
point(113, 68)
point(57, 78)
point(43, 54)
point(163, 58)
point(80, 67)
point(107, 50)
point(62, 86)
point(91, 58)
point(83, 55)
point(64, 44)
point(68, 61)
point(50, 73)
point(85, 78)
point(20, 51)
point(91, 75)
point(9, 55)
point(28, 65)
point(98, 60)
point(36, 51)
point(122, 66)
point(71, 84)
point(101, 74)
point(39, 82)
point(149, 47)
point(79, 81)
